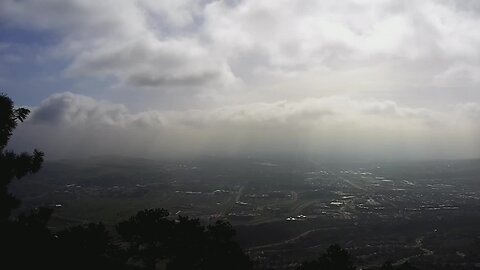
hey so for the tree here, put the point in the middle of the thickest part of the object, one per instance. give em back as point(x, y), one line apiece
point(406, 266)
point(27, 241)
point(222, 250)
point(12, 165)
point(387, 266)
point(181, 243)
point(335, 258)
point(147, 234)
point(28, 233)
point(86, 247)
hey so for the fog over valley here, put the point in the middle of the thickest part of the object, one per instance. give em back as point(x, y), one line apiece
point(336, 127)
point(240, 134)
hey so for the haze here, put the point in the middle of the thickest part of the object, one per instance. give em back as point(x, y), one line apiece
point(369, 80)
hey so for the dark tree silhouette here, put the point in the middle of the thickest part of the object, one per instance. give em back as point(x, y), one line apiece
point(181, 243)
point(406, 266)
point(387, 266)
point(13, 166)
point(27, 235)
point(147, 235)
point(88, 246)
point(221, 250)
point(26, 240)
point(335, 258)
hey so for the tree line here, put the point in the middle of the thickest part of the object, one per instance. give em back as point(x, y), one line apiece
point(151, 239)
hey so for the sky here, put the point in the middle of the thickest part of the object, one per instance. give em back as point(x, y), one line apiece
point(335, 80)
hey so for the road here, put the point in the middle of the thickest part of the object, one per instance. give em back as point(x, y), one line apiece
point(239, 194)
point(419, 245)
point(348, 182)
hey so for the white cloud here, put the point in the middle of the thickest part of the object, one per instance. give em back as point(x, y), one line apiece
point(125, 40)
point(459, 75)
point(330, 33)
point(70, 109)
point(339, 127)
point(318, 77)
point(148, 62)
point(212, 44)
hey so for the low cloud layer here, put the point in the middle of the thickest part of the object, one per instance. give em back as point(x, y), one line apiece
point(337, 128)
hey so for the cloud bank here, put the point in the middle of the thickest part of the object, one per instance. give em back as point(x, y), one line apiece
point(337, 128)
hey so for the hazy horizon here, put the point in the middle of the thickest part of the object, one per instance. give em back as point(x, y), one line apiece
point(343, 81)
